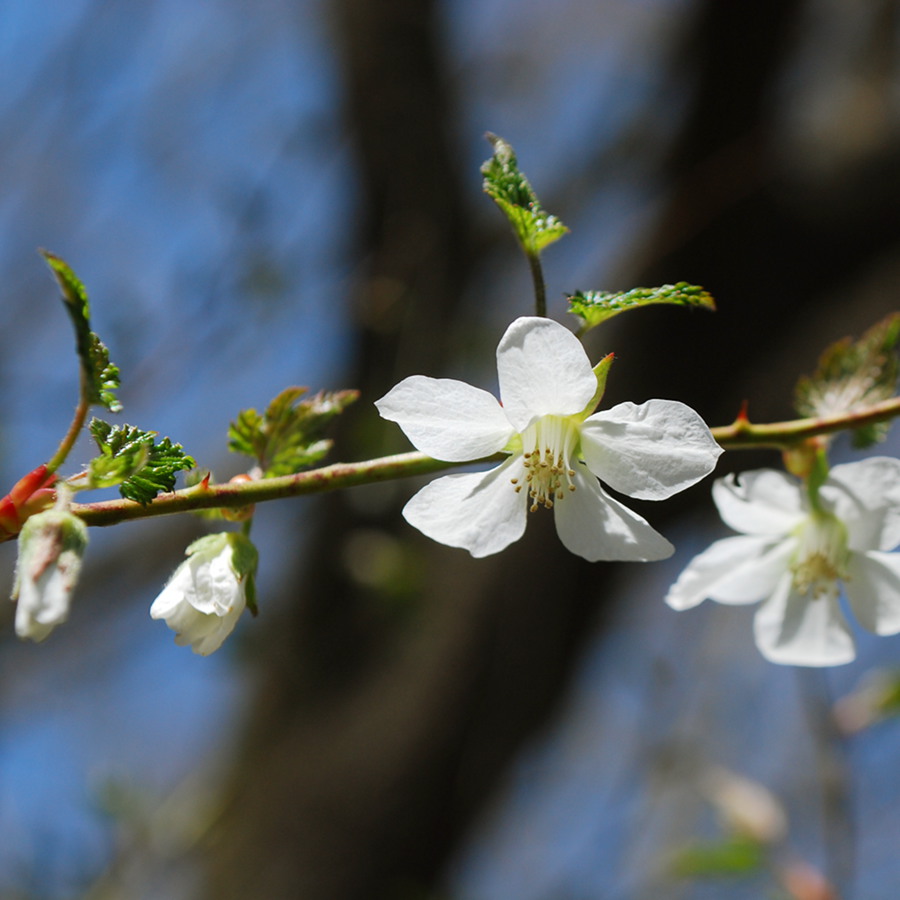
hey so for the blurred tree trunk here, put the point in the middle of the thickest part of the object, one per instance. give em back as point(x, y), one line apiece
point(379, 729)
point(386, 710)
point(782, 246)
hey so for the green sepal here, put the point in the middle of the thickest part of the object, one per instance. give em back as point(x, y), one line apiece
point(244, 562)
point(510, 190)
point(100, 376)
point(854, 374)
point(595, 307)
point(288, 436)
point(133, 460)
point(601, 371)
point(731, 857)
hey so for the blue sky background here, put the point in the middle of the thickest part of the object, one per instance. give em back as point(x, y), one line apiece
point(189, 161)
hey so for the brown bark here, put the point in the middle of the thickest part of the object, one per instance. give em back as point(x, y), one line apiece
point(376, 734)
point(374, 737)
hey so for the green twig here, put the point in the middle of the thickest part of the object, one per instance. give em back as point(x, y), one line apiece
point(743, 434)
point(236, 494)
point(68, 442)
point(540, 290)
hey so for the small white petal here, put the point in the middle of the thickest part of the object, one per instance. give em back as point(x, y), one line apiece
point(866, 497)
point(593, 525)
point(543, 370)
point(758, 576)
point(208, 633)
point(761, 502)
point(650, 451)
point(795, 629)
point(873, 589)
point(741, 569)
point(447, 419)
point(480, 512)
point(204, 598)
point(171, 596)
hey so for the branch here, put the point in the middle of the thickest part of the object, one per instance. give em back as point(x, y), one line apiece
point(236, 494)
point(742, 434)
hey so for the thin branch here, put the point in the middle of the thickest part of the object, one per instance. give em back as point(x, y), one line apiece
point(72, 435)
point(237, 494)
point(742, 434)
point(540, 290)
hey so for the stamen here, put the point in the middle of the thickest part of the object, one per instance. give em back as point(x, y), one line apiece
point(551, 441)
point(820, 561)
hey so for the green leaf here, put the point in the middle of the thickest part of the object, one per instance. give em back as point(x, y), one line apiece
point(132, 459)
point(288, 437)
point(510, 190)
point(100, 376)
point(852, 375)
point(594, 307)
point(731, 857)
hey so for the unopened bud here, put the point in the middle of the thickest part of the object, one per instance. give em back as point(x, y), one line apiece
point(51, 545)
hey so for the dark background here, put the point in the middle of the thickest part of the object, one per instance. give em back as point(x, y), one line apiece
point(289, 193)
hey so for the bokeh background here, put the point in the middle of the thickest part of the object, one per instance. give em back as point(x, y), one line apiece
point(287, 192)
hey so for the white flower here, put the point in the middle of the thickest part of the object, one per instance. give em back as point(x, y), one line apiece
point(557, 451)
point(208, 592)
point(51, 545)
point(794, 558)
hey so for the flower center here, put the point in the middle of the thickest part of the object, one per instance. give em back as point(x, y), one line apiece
point(821, 556)
point(548, 446)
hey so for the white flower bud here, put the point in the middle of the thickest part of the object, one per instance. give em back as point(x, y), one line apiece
point(208, 592)
point(51, 545)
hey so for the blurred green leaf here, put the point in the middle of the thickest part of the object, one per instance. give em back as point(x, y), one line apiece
point(132, 459)
point(888, 704)
point(288, 437)
point(730, 857)
point(594, 307)
point(852, 375)
point(101, 377)
point(510, 190)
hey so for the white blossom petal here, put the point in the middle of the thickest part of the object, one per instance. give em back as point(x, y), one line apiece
point(866, 497)
point(593, 525)
point(447, 419)
point(741, 569)
point(873, 589)
point(207, 633)
point(480, 512)
point(651, 451)
point(43, 604)
point(171, 596)
point(762, 502)
point(206, 596)
point(796, 629)
point(543, 370)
